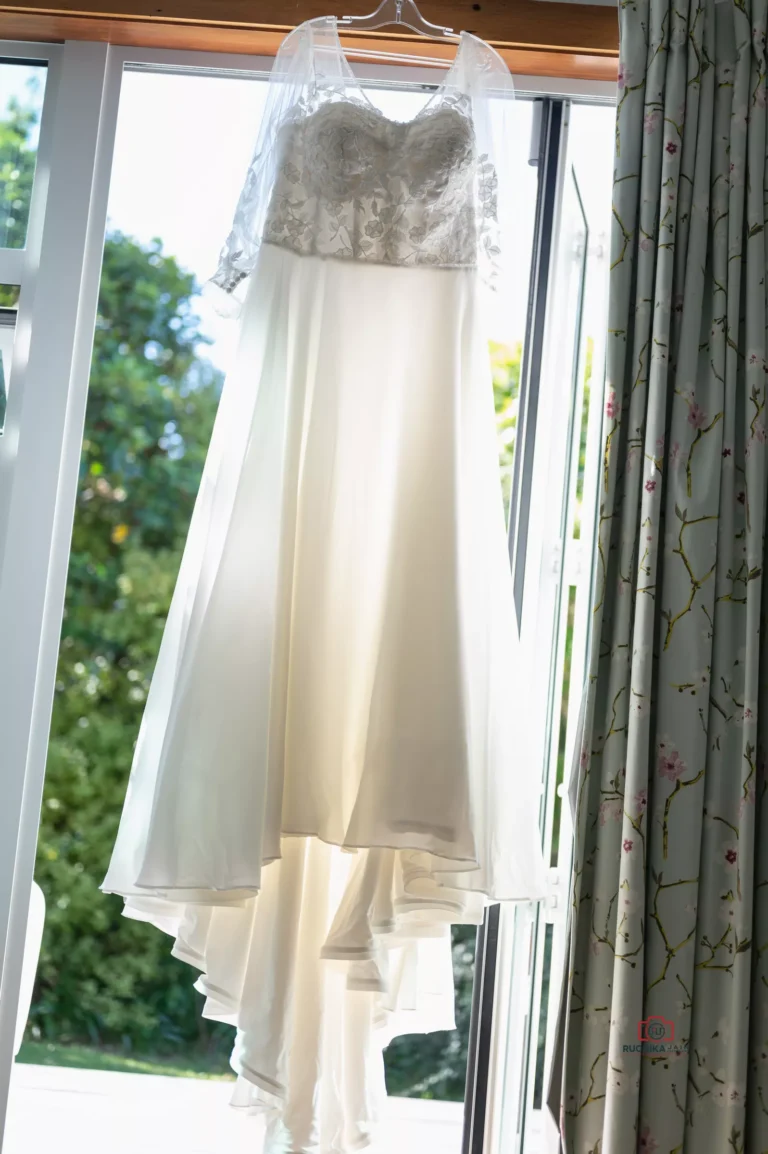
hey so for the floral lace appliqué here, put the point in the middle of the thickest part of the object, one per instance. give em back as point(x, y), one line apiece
point(354, 185)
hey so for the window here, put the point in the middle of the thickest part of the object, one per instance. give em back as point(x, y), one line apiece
point(163, 192)
point(563, 495)
point(22, 92)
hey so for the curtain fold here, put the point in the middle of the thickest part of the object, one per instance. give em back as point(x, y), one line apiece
point(665, 1025)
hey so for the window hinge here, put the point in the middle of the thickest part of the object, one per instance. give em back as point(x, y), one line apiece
point(574, 568)
point(554, 901)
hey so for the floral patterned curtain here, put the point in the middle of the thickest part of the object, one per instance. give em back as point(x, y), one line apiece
point(665, 1028)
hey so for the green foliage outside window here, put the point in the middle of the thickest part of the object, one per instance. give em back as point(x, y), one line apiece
point(17, 166)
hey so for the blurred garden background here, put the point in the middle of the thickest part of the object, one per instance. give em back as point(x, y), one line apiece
point(108, 993)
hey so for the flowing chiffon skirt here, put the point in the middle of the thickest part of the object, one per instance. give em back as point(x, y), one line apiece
point(331, 768)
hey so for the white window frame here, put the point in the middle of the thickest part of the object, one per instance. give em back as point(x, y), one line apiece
point(59, 272)
point(555, 562)
point(39, 461)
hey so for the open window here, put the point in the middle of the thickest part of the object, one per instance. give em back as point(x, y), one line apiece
point(114, 194)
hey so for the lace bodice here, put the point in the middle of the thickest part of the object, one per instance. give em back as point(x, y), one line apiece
point(334, 177)
point(355, 185)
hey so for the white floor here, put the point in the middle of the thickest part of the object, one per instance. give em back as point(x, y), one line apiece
point(58, 1111)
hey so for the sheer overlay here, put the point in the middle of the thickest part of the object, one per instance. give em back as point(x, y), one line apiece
point(312, 71)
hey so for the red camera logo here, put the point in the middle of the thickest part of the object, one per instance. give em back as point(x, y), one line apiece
point(655, 1029)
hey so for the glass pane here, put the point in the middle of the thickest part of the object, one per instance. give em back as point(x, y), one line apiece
point(577, 315)
point(571, 286)
point(589, 352)
point(109, 996)
point(541, 1041)
point(22, 87)
point(112, 1009)
point(563, 727)
point(9, 296)
point(507, 355)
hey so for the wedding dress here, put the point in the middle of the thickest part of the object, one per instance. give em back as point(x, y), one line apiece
point(331, 767)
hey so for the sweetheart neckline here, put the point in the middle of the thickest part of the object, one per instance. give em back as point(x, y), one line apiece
point(403, 126)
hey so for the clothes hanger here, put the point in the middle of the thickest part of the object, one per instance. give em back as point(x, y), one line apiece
point(401, 12)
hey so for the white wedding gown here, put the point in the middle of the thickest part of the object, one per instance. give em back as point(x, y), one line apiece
point(330, 770)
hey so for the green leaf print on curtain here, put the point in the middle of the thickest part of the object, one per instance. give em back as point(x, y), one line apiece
point(666, 1021)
